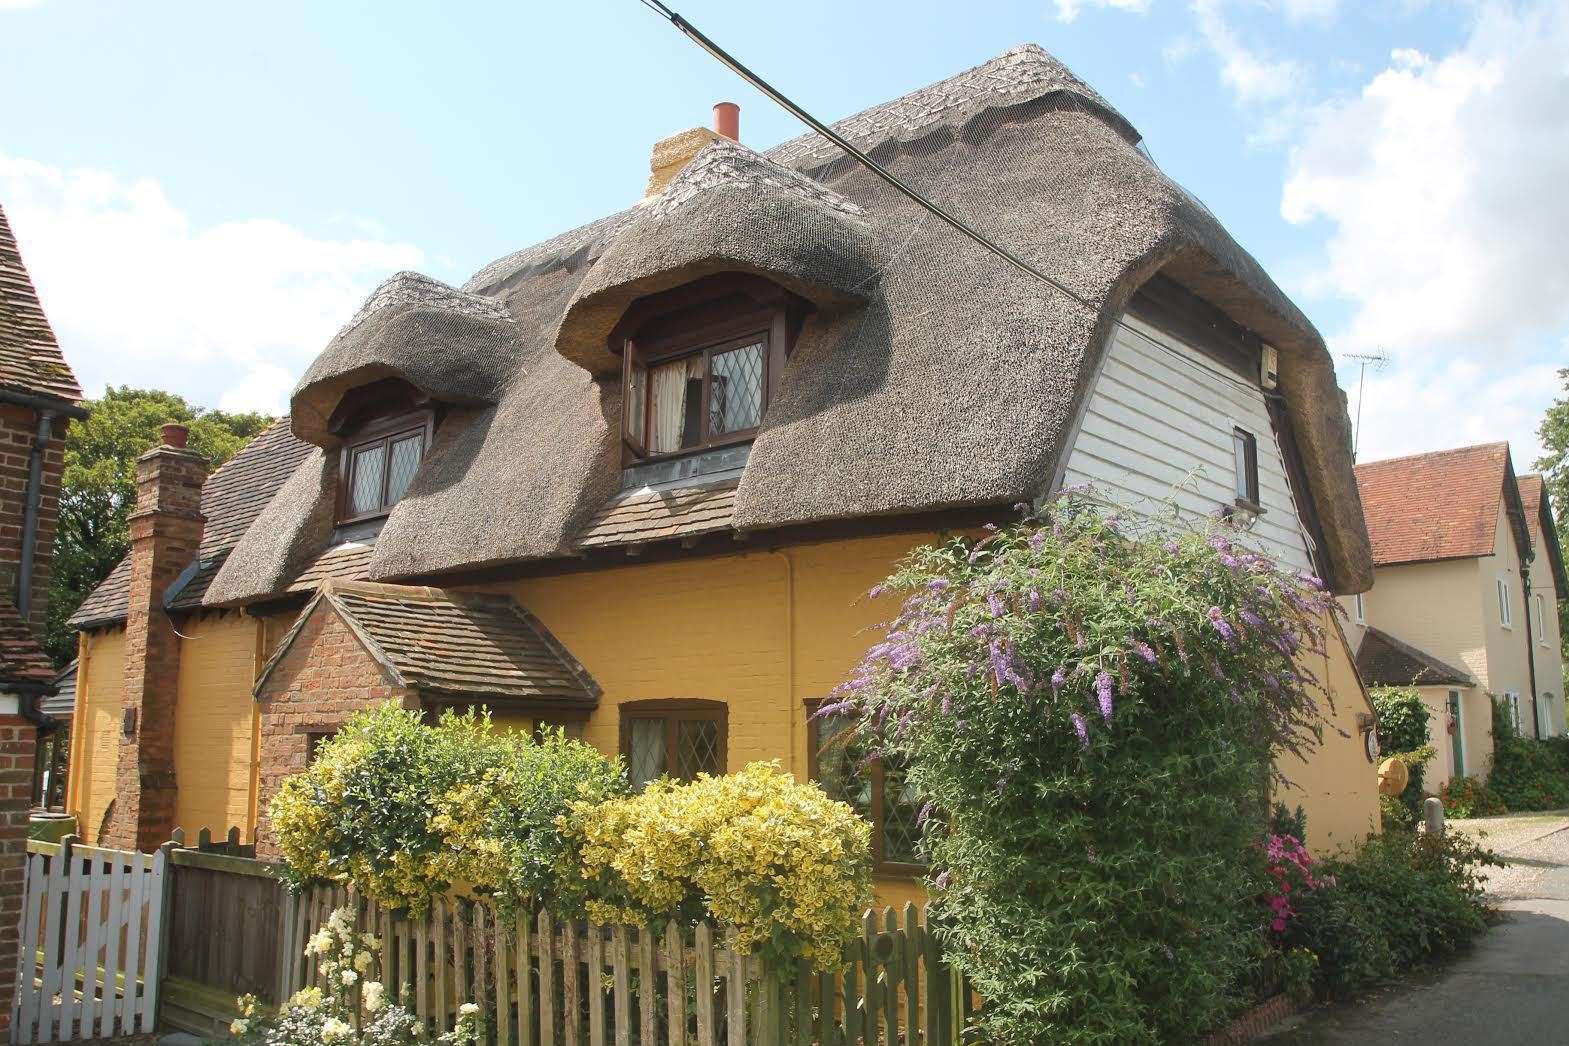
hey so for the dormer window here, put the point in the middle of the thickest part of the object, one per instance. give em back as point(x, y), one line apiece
point(700, 363)
point(386, 429)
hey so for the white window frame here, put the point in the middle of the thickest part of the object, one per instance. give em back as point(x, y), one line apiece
point(1513, 700)
point(1359, 609)
point(1539, 614)
point(1505, 613)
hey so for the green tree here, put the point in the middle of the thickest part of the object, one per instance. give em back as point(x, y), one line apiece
point(98, 487)
point(1554, 466)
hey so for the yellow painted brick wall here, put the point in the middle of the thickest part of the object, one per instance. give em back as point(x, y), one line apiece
point(98, 729)
point(1337, 787)
point(213, 723)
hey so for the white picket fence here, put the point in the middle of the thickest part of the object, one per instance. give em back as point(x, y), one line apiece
point(92, 935)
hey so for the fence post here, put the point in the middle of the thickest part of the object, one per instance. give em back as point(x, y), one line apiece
point(158, 924)
point(1433, 815)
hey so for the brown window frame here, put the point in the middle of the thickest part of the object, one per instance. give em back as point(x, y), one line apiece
point(708, 315)
point(383, 432)
point(1244, 455)
point(874, 771)
point(52, 751)
point(673, 711)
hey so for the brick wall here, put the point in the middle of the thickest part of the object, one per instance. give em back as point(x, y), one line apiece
point(18, 427)
point(18, 744)
point(324, 677)
point(166, 535)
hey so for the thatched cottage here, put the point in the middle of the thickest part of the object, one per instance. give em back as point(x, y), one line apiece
point(634, 479)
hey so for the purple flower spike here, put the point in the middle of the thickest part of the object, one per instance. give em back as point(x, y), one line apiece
point(1034, 601)
point(1103, 695)
point(1144, 650)
point(1081, 728)
point(1222, 625)
point(1059, 678)
point(942, 881)
point(1252, 619)
point(995, 604)
point(1037, 539)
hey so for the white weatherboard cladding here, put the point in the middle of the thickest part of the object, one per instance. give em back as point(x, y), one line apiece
point(1158, 428)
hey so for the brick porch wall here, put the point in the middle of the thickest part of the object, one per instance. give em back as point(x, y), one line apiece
point(18, 746)
point(325, 676)
point(18, 427)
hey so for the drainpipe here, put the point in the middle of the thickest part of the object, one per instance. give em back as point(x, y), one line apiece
point(1530, 645)
point(35, 484)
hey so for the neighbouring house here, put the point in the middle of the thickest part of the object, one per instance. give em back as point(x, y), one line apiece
point(1468, 575)
point(38, 398)
point(635, 480)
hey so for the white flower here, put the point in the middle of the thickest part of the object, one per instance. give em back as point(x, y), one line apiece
point(375, 996)
point(362, 961)
point(319, 944)
point(306, 998)
point(334, 1028)
point(339, 920)
point(348, 976)
point(468, 1009)
point(239, 1027)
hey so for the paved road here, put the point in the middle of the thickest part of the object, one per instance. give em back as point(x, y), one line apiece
point(1511, 987)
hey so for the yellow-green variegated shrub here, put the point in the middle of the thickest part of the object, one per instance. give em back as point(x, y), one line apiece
point(777, 859)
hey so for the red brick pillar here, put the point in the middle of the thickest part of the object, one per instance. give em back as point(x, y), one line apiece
point(166, 535)
point(18, 747)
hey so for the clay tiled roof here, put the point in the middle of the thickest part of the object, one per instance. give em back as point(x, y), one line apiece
point(1539, 518)
point(30, 358)
point(232, 498)
point(1442, 505)
point(345, 562)
point(22, 661)
point(1384, 660)
point(458, 644)
point(654, 515)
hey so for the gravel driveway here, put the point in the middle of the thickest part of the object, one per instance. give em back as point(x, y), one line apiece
point(1511, 987)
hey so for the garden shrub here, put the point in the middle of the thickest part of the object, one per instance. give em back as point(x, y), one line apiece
point(1402, 899)
point(352, 1007)
point(405, 810)
point(1466, 796)
point(1527, 774)
point(777, 859)
point(1090, 707)
point(1404, 734)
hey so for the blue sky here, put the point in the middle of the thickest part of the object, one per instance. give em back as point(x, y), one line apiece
point(204, 192)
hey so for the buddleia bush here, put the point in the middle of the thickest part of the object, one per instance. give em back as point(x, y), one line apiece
point(1092, 709)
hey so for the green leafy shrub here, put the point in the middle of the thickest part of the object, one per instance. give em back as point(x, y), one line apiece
point(405, 810)
point(1527, 774)
point(1404, 734)
point(1090, 707)
point(1394, 814)
point(1342, 930)
point(1466, 796)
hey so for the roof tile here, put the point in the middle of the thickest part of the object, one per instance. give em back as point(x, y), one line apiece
point(1384, 660)
point(1442, 505)
point(30, 358)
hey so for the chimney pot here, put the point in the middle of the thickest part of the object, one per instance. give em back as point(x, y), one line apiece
point(727, 120)
point(174, 435)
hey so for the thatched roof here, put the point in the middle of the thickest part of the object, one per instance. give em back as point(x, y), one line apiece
point(930, 376)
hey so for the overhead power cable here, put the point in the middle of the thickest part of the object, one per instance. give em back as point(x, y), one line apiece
point(734, 65)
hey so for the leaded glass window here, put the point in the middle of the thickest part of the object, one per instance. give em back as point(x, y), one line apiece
point(876, 789)
point(677, 738)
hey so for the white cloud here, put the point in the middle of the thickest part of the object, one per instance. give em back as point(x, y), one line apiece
point(1068, 10)
point(1440, 188)
point(1421, 404)
point(1443, 186)
point(228, 314)
point(1250, 74)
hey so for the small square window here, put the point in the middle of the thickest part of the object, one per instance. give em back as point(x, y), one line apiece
point(680, 739)
point(1244, 446)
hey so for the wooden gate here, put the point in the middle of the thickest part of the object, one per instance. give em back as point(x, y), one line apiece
point(92, 935)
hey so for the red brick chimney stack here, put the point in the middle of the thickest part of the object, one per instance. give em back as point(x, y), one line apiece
point(727, 120)
point(166, 535)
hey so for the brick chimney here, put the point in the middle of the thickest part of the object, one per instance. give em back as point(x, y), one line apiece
point(166, 534)
point(671, 155)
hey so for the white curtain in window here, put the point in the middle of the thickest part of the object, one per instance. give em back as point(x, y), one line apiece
point(668, 386)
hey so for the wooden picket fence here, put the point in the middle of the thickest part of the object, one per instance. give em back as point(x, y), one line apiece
point(90, 943)
point(548, 982)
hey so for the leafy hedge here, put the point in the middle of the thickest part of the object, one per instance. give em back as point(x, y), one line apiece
point(1404, 734)
point(1090, 706)
point(1403, 899)
point(406, 811)
point(1527, 774)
